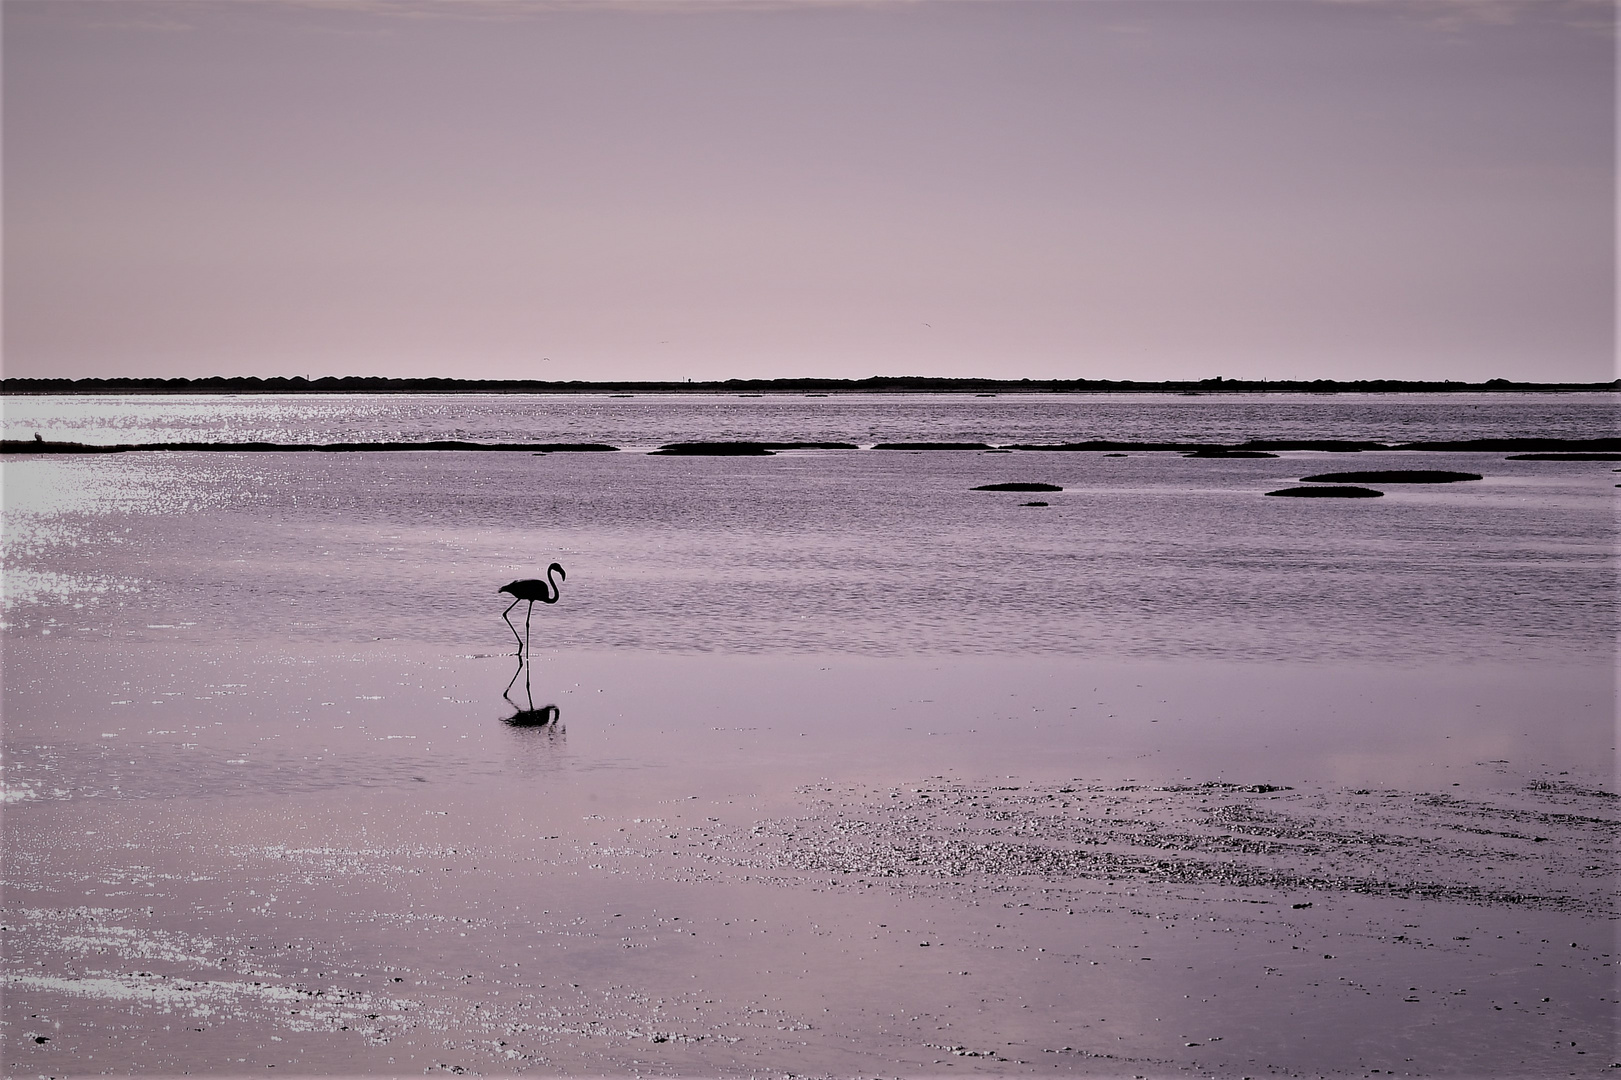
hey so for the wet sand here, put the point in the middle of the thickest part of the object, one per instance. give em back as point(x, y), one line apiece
point(226, 861)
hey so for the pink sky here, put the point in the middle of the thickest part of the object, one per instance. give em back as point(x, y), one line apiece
point(673, 189)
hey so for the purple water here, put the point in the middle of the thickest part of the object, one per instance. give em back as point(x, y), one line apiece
point(271, 799)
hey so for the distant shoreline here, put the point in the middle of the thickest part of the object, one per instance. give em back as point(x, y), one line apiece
point(905, 384)
point(1545, 448)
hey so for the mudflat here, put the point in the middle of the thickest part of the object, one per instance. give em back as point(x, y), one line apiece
point(223, 860)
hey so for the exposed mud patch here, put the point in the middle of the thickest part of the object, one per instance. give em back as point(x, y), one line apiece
point(1550, 847)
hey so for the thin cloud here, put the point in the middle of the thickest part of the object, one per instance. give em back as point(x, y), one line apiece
point(180, 16)
point(1460, 15)
point(517, 9)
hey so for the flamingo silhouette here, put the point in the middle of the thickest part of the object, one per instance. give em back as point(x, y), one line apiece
point(531, 589)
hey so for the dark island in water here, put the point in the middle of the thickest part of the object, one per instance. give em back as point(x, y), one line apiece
point(878, 384)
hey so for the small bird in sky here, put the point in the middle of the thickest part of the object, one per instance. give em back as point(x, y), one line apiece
point(532, 589)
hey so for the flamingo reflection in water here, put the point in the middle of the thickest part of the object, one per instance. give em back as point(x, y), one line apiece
point(527, 715)
point(531, 589)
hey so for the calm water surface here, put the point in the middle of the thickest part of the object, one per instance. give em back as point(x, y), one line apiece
point(1149, 557)
point(852, 551)
point(259, 749)
point(649, 420)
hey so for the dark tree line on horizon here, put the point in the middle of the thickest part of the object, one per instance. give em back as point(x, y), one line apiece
point(896, 384)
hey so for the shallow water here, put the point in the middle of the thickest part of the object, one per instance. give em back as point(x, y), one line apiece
point(280, 794)
point(1151, 555)
point(645, 421)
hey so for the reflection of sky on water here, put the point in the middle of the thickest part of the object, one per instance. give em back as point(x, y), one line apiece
point(267, 700)
point(649, 420)
point(59, 590)
point(156, 721)
point(836, 555)
point(860, 552)
point(40, 489)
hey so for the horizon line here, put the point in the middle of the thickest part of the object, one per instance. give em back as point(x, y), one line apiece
point(870, 384)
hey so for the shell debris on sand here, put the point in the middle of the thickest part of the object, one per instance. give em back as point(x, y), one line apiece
point(1524, 851)
point(1126, 928)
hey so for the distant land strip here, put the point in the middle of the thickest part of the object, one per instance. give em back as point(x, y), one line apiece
point(47, 446)
point(1584, 447)
point(880, 384)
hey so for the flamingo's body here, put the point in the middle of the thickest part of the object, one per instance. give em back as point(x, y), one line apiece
point(531, 589)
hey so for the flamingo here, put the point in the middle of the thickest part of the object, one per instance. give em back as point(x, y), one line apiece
point(531, 589)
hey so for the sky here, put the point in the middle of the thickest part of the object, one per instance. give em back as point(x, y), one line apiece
point(709, 189)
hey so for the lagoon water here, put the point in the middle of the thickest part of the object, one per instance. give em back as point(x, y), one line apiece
point(257, 708)
point(872, 552)
point(644, 421)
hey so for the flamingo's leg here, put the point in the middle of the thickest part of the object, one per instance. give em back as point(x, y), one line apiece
point(514, 629)
point(507, 693)
point(527, 616)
